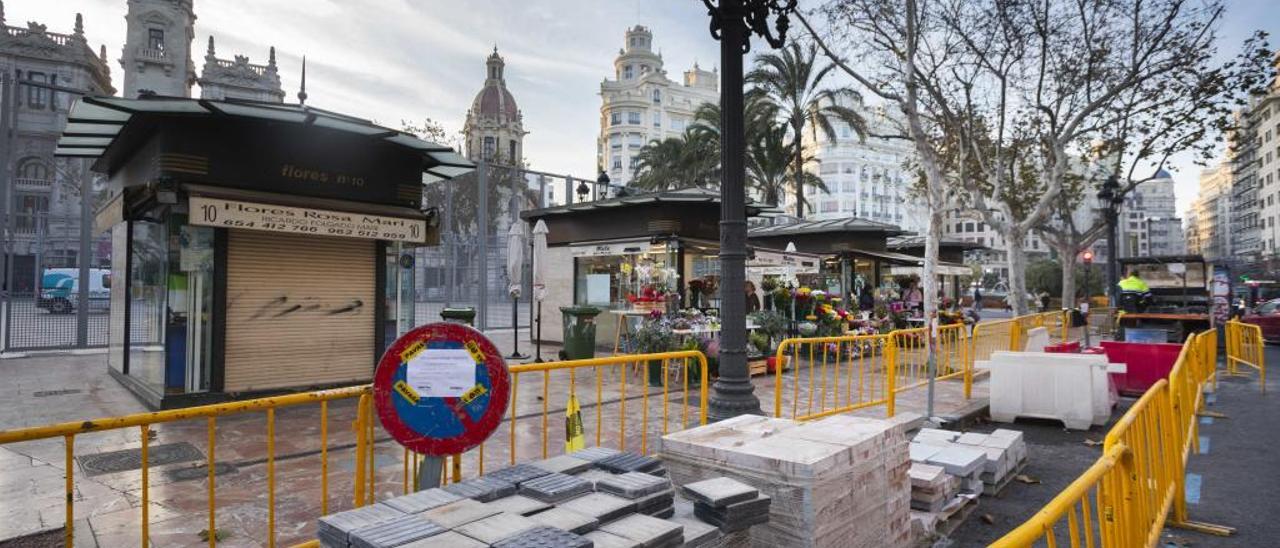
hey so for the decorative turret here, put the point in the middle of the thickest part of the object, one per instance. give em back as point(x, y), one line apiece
point(493, 127)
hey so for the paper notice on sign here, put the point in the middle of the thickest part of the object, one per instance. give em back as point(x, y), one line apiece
point(441, 372)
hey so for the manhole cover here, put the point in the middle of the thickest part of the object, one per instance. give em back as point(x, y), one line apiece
point(198, 472)
point(47, 393)
point(131, 459)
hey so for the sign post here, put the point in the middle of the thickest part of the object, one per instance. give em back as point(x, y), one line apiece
point(440, 389)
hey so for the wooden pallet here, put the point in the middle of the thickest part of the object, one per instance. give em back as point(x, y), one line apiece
point(993, 490)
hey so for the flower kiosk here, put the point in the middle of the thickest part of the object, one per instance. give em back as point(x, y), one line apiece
point(651, 261)
point(255, 247)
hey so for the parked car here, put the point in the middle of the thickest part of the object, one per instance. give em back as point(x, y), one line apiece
point(60, 290)
point(1266, 316)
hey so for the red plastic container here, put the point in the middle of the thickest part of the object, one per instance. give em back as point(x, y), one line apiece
point(1069, 347)
point(1146, 363)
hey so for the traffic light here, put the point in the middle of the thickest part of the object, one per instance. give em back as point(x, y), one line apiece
point(1087, 257)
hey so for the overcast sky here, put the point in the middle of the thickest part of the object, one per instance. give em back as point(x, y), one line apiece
point(393, 60)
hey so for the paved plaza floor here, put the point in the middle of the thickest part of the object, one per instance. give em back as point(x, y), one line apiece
point(49, 389)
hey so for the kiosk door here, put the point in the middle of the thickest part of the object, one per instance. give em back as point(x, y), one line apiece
point(300, 310)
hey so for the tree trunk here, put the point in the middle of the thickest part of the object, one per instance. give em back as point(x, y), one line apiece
point(799, 173)
point(930, 280)
point(1017, 258)
point(1069, 296)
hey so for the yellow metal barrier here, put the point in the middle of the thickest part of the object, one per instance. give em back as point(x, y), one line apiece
point(1245, 347)
point(1126, 497)
point(674, 389)
point(863, 364)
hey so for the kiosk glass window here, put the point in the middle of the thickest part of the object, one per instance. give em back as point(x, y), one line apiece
point(148, 293)
point(398, 293)
point(117, 342)
point(607, 280)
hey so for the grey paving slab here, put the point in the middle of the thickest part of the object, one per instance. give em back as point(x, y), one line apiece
point(566, 520)
point(602, 506)
point(628, 462)
point(341, 524)
point(497, 527)
point(729, 527)
point(593, 454)
point(653, 500)
point(456, 514)
point(594, 475)
point(647, 530)
point(395, 532)
point(697, 532)
point(564, 464)
point(519, 504)
point(545, 537)
point(959, 460)
point(739, 510)
point(555, 487)
point(720, 491)
point(518, 473)
point(447, 539)
point(633, 484)
point(422, 501)
point(483, 489)
point(610, 540)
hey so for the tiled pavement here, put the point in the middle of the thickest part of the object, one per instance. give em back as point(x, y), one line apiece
point(108, 506)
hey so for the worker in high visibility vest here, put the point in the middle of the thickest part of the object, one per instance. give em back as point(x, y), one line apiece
point(1134, 293)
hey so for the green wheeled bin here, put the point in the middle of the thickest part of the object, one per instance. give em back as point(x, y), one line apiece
point(465, 315)
point(579, 332)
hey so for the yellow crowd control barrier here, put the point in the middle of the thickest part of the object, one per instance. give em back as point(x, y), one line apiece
point(1245, 347)
point(681, 375)
point(1128, 495)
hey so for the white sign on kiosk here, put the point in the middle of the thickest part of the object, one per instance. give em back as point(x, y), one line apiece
point(298, 220)
point(441, 372)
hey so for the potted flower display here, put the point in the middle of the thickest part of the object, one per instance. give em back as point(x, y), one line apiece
point(652, 336)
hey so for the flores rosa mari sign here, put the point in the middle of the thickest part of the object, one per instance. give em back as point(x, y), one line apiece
point(299, 220)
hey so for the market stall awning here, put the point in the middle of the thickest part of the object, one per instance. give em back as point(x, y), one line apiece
point(944, 269)
point(681, 195)
point(850, 224)
point(95, 123)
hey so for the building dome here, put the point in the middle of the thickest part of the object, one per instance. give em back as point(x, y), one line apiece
point(1162, 174)
point(494, 100)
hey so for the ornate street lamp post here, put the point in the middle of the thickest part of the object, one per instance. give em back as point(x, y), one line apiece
point(733, 22)
point(602, 181)
point(1111, 199)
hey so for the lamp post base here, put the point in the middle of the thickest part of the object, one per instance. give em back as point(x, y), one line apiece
point(732, 394)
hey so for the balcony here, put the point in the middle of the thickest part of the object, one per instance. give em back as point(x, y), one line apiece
point(29, 184)
point(150, 54)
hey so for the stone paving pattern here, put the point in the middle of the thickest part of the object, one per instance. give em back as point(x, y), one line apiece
point(107, 506)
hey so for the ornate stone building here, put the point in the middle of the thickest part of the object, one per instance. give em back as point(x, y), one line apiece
point(494, 129)
point(157, 48)
point(640, 104)
point(240, 79)
point(42, 203)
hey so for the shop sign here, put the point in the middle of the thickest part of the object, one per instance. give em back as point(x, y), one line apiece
point(298, 220)
point(604, 250)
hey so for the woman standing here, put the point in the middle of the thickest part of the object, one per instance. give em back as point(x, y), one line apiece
point(753, 300)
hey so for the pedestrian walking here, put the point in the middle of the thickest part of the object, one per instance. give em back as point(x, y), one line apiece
point(977, 298)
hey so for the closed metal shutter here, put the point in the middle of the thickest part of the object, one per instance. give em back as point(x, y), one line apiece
point(300, 311)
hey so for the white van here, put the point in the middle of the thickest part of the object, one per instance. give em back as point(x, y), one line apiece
point(60, 290)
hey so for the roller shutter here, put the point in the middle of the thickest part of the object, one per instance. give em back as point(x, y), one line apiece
point(300, 311)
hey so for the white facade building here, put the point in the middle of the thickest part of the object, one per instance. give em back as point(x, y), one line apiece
point(868, 179)
point(1212, 210)
point(640, 104)
point(237, 78)
point(1267, 113)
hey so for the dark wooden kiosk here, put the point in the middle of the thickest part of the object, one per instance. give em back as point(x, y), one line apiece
point(951, 266)
point(255, 247)
point(595, 248)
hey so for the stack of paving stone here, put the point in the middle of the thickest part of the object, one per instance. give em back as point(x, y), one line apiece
point(728, 504)
point(997, 456)
point(595, 497)
point(932, 487)
point(838, 481)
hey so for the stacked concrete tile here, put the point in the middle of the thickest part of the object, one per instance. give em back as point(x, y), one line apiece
point(839, 481)
point(984, 463)
point(596, 496)
point(931, 487)
point(728, 504)
point(1006, 454)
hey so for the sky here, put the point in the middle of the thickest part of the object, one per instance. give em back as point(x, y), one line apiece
point(407, 60)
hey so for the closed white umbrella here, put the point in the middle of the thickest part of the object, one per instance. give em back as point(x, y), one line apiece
point(539, 276)
point(539, 257)
point(515, 279)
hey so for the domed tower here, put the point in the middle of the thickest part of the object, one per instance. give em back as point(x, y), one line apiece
point(637, 58)
point(494, 128)
point(157, 49)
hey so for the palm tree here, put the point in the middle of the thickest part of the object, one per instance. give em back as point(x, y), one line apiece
point(792, 81)
point(692, 159)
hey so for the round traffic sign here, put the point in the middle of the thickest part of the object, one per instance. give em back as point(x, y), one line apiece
point(441, 389)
